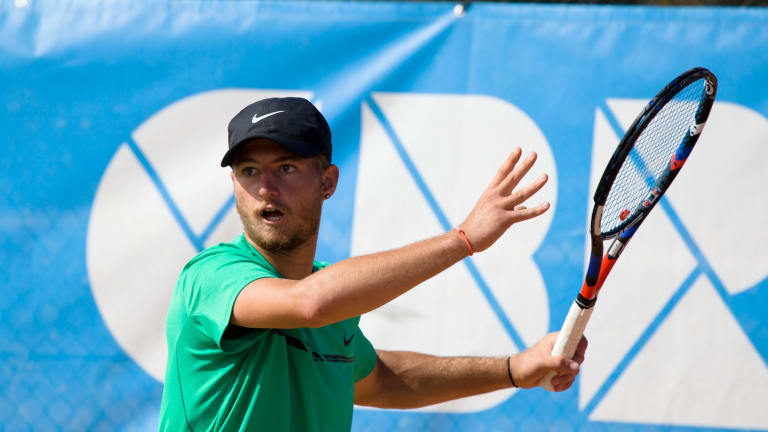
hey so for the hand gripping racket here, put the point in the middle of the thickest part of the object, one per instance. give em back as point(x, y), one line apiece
point(642, 167)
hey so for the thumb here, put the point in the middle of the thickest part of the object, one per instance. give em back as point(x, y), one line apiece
point(563, 364)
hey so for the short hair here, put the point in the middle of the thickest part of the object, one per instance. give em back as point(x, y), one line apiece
point(322, 162)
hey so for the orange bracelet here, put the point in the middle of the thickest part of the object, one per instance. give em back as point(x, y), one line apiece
point(464, 236)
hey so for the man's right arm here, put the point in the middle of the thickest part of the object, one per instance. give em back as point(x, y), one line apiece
point(360, 284)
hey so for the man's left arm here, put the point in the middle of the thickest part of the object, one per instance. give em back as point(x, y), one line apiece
point(404, 380)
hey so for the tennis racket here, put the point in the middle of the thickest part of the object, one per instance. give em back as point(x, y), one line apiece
point(646, 161)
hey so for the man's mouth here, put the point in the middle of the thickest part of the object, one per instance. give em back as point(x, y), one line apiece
point(272, 215)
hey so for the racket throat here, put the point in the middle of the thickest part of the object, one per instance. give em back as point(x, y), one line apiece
point(588, 295)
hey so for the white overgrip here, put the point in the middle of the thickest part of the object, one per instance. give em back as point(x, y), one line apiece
point(569, 337)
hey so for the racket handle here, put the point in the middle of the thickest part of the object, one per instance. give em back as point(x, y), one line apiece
point(568, 339)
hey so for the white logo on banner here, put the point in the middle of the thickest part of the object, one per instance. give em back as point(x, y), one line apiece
point(664, 346)
point(163, 197)
point(432, 156)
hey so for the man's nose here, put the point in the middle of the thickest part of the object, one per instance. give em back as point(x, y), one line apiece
point(268, 185)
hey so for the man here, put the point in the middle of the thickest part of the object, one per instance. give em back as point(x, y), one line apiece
point(263, 337)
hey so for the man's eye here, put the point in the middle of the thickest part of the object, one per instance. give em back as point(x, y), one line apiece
point(287, 168)
point(249, 171)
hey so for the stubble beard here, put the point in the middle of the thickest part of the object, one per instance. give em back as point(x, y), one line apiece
point(281, 239)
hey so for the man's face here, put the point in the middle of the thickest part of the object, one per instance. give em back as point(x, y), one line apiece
point(278, 194)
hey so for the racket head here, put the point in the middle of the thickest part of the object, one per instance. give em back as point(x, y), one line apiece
point(651, 153)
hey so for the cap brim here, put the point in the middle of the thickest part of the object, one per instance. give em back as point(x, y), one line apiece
point(294, 146)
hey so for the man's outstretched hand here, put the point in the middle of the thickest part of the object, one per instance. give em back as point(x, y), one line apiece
point(501, 205)
point(531, 365)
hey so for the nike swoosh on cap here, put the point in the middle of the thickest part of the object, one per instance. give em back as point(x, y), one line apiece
point(257, 119)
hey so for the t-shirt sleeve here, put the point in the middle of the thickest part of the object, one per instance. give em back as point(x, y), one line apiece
point(365, 356)
point(214, 282)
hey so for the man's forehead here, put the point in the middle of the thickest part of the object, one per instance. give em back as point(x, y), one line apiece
point(264, 148)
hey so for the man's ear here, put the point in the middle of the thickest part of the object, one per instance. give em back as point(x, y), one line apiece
point(329, 180)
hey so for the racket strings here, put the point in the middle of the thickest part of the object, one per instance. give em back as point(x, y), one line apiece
point(651, 155)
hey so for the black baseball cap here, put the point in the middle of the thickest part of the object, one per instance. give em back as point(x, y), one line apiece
point(292, 122)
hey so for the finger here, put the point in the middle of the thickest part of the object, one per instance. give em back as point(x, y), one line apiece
point(578, 357)
point(583, 343)
point(520, 207)
point(507, 166)
point(528, 213)
point(564, 385)
point(513, 178)
point(564, 365)
point(562, 379)
point(522, 194)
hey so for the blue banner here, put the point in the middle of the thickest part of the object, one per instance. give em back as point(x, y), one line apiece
point(114, 119)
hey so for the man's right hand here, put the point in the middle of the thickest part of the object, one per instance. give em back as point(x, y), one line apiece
point(501, 205)
point(529, 367)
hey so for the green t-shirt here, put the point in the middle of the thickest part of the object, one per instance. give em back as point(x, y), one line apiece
point(221, 377)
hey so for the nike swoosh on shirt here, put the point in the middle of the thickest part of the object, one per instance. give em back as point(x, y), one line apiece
point(347, 341)
point(256, 118)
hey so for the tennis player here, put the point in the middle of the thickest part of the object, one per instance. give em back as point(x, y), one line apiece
point(261, 337)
